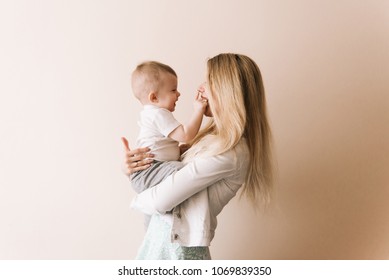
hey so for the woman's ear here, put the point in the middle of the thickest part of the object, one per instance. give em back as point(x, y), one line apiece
point(153, 98)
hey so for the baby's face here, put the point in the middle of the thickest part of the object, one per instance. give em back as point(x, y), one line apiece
point(167, 93)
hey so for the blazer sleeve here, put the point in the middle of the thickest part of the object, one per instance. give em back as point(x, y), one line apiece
point(189, 180)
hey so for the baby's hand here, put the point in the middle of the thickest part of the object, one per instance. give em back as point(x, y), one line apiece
point(200, 102)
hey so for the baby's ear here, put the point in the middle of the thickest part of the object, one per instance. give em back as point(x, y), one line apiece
point(153, 98)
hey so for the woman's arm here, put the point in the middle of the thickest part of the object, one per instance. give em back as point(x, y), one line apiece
point(192, 178)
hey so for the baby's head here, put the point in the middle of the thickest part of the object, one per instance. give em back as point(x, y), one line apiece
point(155, 83)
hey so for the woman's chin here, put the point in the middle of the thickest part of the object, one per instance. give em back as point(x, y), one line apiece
point(209, 115)
point(208, 112)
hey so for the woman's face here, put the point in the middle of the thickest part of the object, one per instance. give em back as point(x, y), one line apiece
point(205, 93)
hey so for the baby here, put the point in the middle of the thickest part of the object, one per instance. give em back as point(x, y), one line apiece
point(155, 85)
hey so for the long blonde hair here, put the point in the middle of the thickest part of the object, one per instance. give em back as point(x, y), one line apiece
point(238, 105)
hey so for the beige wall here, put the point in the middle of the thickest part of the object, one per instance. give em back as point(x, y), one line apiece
point(65, 101)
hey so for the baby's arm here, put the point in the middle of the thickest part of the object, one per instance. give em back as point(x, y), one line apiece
point(187, 132)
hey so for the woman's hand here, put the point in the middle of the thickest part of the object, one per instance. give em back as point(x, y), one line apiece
point(136, 160)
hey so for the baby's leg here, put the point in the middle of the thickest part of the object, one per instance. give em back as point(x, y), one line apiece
point(153, 175)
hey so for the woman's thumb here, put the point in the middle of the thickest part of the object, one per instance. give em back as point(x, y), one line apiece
point(125, 143)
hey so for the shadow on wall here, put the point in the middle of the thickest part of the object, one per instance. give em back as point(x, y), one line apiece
point(333, 186)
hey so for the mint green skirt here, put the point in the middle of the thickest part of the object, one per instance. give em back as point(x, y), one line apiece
point(157, 245)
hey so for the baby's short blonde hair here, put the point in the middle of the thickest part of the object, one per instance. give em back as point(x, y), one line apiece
point(146, 78)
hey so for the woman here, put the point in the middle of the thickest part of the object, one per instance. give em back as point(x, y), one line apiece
point(232, 151)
